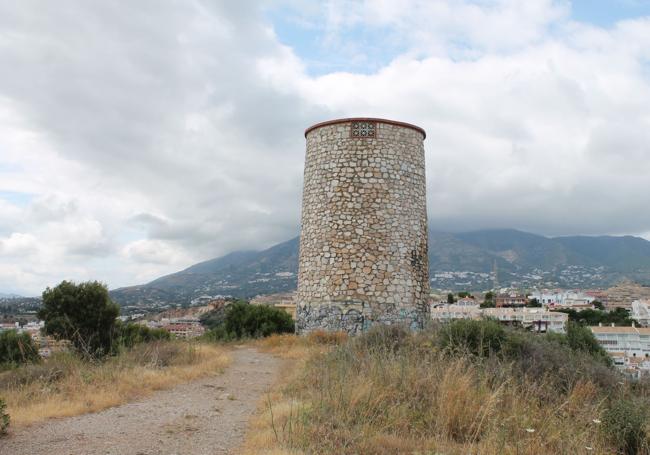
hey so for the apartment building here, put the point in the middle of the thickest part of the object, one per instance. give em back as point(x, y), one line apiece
point(511, 300)
point(184, 329)
point(629, 347)
point(533, 319)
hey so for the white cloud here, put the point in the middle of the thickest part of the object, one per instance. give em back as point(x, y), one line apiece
point(153, 135)
point(154, 252)
point(18, 244)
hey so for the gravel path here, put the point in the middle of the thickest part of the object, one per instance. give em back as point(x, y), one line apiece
point(207, 416)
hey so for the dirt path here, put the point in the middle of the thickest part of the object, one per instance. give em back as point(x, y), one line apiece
point(208, 416)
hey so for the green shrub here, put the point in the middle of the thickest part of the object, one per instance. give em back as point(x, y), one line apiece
point(243, 320)
point(589, 317)
point(556, 359)
point(17, 348)
point(82, 313)
point(4, 418)
point(623, 424)
point(562, 359)
point(476, 337)
point(219, 333)
point(128, 335)
point(580, 338)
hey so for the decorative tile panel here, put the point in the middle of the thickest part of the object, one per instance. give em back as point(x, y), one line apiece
point(364, 129)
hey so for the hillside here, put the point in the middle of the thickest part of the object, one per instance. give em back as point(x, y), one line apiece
point(457, 261)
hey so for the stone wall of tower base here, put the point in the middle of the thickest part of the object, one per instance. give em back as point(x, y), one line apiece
point(354, 318)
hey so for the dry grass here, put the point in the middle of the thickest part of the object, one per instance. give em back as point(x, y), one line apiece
point(359, 398)
point(66, 386)
point(294, 347)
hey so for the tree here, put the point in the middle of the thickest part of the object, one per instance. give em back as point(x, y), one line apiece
point(488, 301)
point(450, 298)
point(243, 320)
point(17, 348)
point(82, 313)
point(533, 303)
point(598, 305)
point(619, 316)
point(580, 338)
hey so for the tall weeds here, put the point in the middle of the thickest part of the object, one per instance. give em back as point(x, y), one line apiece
point(391, 391)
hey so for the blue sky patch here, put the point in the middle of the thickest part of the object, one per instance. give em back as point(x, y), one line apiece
point(605, 13)
point(17, 198)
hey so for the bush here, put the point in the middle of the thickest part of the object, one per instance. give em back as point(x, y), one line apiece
point(624, 426)
point(4, 418)
point(47, 373)
point(82, 313)
point(554, 359)
point(476, 337)
point(128, 335)
point(251, 321)
point(327, 338)
point(160, 354)
point(383, 338)
point(17, 348)
point(560, 359)
point(580, 338)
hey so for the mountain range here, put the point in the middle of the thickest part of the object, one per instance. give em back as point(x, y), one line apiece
point(476, 260)
point(9, 296)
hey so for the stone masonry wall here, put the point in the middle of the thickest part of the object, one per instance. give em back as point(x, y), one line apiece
point(363, 249)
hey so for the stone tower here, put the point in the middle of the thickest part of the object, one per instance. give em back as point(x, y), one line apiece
point(363, 247)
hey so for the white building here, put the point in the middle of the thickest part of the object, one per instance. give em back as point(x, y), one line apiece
point(641, 312)
point(568, 299)
point(629, 347)
point(534, 319)
point(537, 319)
point(467, 303)
point(447, 312)
point(633, 341)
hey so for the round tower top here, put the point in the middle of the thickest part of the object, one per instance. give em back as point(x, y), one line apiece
point(366, 119)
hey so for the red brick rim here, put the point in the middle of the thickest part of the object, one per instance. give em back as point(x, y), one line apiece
point(366, 119)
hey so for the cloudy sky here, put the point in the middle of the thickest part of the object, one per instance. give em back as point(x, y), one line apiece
point(139, 137)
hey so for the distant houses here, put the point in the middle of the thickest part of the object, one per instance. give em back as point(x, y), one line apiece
point(183, 328)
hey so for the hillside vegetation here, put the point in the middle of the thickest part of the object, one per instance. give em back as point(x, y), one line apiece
point(468, 387)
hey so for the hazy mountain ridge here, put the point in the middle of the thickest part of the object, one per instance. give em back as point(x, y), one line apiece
point(457, 261)
point(10, 296)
